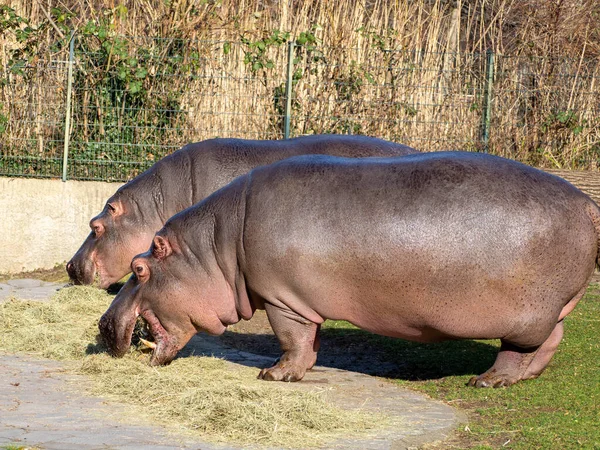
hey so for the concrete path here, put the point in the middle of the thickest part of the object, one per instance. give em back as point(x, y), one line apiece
point(28, 289)
point(40, 407)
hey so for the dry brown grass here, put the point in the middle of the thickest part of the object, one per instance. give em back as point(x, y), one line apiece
point(202, 396)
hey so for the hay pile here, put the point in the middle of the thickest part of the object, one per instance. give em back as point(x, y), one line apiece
point(207, 396)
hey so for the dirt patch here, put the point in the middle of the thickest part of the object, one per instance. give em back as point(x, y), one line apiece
point(58, 274)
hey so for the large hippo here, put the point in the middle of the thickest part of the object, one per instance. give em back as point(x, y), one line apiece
point(127, 224)
point(427, 247)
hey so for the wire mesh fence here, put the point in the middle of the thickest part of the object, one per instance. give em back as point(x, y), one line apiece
point(159, 96)
point(546, 111)
point(135, 99)
point(32, 119)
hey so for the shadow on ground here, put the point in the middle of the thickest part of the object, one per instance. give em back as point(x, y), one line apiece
point(363, 352)
point(348, 349)
point(360, 351)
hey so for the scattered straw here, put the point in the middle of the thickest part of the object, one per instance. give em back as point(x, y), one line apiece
point(215, 400)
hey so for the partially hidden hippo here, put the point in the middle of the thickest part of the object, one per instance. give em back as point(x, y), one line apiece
point(132, 216)
point(426, 247)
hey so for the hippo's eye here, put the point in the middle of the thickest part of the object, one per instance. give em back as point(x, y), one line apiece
point(140, 271)
point(111, 208)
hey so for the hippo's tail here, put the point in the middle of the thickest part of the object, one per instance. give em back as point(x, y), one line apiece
point(594, 212)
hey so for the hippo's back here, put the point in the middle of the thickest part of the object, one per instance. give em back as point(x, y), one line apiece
point(430, 186)
point(216, 162)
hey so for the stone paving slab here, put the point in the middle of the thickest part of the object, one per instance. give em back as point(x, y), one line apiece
point(28, 289)
point(39, 405)
point(5, 291)
point(418, 419)
point(25, 283)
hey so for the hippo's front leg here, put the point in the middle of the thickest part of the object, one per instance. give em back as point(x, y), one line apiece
point(299, 341)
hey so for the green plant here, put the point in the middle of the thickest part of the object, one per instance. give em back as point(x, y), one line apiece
point(564, 120)
point(3, 120)
point(255, 52)
point(383, 40)
point(27, 36)
point(349, 84)
point(121, 77)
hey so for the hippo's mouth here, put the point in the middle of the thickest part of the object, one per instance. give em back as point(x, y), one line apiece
point(82, 272)
point(100, 276)
point(143, 328)
point(153, 336)
point(142, 338)
point(89, 272)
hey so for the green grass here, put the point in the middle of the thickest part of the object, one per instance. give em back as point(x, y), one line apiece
point(559, 410)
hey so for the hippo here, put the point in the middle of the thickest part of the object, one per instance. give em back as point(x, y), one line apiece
point(426, 247)
point(132, 216)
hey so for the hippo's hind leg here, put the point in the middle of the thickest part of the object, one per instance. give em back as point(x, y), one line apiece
point(545, 353)
point(299, 341)
point(510, 365)
point(548, 348)
point(514, 363)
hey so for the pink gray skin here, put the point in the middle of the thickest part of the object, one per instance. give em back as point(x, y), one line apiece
point(427, 247)
point(132, 216)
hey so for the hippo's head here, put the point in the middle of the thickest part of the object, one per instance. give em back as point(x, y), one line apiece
point(118, 234)
point(175, 300)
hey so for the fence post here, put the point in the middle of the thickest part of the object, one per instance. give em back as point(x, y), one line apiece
point(68, 110)
point(487, 110)
point(288, 90)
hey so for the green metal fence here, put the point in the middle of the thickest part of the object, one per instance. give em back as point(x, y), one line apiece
point(107, 109)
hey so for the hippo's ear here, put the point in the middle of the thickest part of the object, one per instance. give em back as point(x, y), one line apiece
point(162, 248)
point(141, 270)
point(114, 207)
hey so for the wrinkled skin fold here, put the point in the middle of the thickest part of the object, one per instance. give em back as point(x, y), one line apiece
point(427, 247)
point(131, 217)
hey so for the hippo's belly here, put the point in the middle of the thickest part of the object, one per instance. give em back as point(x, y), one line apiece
point(483, 286)
point(422, 310)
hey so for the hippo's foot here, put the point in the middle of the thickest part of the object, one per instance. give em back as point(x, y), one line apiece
point(299, 340)
point(514, 363)
point(492, 379)
point(509, 367)
point(286, 371)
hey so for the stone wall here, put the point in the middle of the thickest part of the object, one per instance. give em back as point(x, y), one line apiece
point(43, 222)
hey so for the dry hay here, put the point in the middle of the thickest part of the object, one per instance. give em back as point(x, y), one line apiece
point(208, 397)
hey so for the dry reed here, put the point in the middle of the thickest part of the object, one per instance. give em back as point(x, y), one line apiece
point(408, 71)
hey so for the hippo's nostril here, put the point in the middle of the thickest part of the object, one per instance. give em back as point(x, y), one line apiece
point(73, 273)
point(71, 270)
